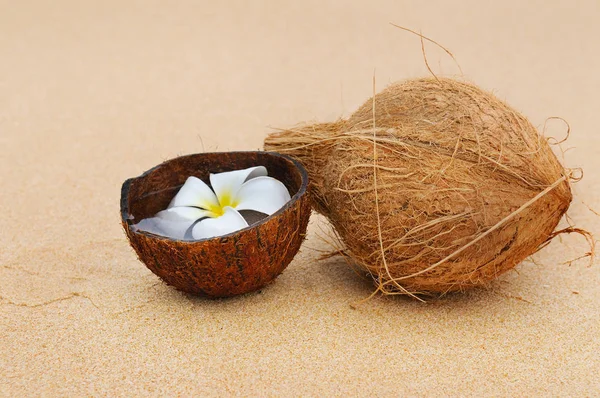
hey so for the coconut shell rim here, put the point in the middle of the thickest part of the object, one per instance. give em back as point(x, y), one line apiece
point(127, 184)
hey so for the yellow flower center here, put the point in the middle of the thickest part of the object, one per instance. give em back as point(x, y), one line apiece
point(224, 200)
point(217, 211)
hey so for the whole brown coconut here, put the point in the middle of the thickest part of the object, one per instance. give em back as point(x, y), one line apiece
point(434, 186)
point(228, 265)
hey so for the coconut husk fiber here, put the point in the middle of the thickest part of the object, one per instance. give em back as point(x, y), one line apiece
point(434, 185)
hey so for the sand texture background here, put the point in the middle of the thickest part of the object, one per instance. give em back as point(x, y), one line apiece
point(92, 93)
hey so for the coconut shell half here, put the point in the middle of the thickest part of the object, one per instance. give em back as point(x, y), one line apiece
point(223, 266)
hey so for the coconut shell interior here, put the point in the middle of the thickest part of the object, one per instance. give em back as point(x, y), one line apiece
point(228, 265)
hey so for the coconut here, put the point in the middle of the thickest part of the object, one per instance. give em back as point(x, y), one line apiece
point(228, 265)
point(433, 185)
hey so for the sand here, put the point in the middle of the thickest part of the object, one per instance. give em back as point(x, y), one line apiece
point(93, 94)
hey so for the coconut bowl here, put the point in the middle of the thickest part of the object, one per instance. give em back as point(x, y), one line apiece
point(227, 265)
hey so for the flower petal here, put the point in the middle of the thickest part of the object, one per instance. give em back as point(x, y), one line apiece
point(227, 184)
point(184, 214)
point(164, 227)
point(195, 193)
point(264, 194)
point(229, 222)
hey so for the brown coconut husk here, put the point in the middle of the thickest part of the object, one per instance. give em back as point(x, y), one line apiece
point(434, 185)
point(228, 265)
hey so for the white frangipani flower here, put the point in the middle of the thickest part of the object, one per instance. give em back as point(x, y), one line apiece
point(218, 211)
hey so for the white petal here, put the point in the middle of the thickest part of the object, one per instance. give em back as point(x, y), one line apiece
point(184, 214)
point(163, 227)
point(229, 222)
point(264, 194)
point(195, 193)
point(227, 184)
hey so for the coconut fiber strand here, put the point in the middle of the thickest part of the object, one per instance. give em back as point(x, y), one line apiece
point(433, 185)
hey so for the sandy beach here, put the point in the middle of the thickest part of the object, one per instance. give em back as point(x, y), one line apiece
point(93, 93)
